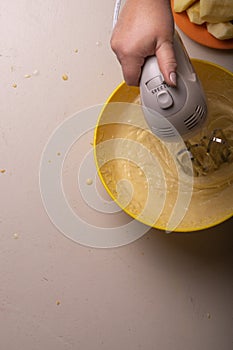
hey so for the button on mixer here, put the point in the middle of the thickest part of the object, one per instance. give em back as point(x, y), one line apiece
point(153, 83)
point(164, 99)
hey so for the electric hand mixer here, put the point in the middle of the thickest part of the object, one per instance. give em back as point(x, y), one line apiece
point(181, 111)
point(173, 111)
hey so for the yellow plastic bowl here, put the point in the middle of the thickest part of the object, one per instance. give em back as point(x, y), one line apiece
point(211, 200)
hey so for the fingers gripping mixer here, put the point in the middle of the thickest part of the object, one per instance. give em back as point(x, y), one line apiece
point(172, 111)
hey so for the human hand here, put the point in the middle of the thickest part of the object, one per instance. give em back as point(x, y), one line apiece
point(145, 28)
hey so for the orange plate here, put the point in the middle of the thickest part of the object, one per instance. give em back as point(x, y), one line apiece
point(199, 33)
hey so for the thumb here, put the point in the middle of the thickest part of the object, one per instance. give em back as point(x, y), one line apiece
point(167, 62)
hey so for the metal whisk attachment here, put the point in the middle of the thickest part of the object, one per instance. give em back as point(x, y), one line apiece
point(206, 156)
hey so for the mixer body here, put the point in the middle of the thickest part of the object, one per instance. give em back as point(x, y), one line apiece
point(171, 112)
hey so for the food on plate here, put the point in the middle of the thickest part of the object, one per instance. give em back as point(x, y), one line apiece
point(217, 15)
point(216, 11)
point(182, 5)
point(193, 13)
point(221, 31)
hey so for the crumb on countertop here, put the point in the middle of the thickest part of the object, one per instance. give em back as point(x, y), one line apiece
point(65, 77)
point(89, 181)
point(2, 171)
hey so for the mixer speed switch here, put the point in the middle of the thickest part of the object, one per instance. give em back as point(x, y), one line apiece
point(164, 99)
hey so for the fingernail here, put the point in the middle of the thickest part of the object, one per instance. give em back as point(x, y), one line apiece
point(173, 77)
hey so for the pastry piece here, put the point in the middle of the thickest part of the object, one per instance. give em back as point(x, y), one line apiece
point(193, 13)
point(182, 5)
point(222, 31)
point(215, 11)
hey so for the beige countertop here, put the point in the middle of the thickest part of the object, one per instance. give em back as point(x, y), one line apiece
point(159, 292)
